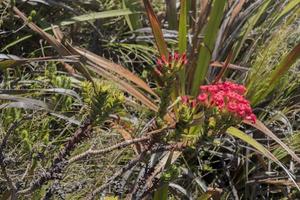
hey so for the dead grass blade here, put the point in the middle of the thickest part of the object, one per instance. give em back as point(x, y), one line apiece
point(63, 50)
point(260, 126)
point(156, 29)
point(230, 66)
point(108, 65)
point(13, 61)
point(123, 85)
point(224, 68)
point(235, 12)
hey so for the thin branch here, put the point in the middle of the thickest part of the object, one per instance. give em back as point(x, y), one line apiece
point(132, 163)
point(10, 182)
point(59, 162)
point(120, 145)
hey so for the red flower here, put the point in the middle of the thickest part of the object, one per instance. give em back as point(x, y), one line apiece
point(185, 99)
point(228, 96)
point(202, 97)
point(172, 60)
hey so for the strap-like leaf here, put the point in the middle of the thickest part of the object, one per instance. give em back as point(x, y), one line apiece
point(207, 47)
point(260, 126)
point(249, 140)
point(156, 29)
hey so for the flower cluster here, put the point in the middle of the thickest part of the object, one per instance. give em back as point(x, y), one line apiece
point(228, 97)
point(174, 62)
point(189, 102)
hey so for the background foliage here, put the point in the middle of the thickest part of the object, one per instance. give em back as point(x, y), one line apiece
point(84, 115)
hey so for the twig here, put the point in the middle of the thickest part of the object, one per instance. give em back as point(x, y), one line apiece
point(132, 163)
point(117, 174)
point(59, 162)
point(10, 182)
point(120, 145)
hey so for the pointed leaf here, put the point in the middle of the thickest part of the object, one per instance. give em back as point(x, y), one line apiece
point(260, 126)
point(249, 140)
point(206, 49)
point(156, 29)
point(96, 15)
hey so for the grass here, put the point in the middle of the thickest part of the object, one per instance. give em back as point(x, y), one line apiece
point(88, 113)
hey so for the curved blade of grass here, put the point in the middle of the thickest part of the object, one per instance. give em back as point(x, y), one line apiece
point(156, 29)
point(133, 20)
point(108, 65)
point(23, 100)
point(250, 25)
point(292, 4)
point(269, 84)
point(61, 91)
point(260, 126)
point(182, 41)
point(171, 13)
point(33, 106)
point(207, 47)
point(182, 29)
point(96, 15)
point(249, 140)
point(23, 105)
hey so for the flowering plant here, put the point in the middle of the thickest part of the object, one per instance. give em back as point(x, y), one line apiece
point(227, 97)
point(168, 65)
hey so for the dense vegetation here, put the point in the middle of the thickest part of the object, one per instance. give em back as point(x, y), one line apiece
point(139, 99)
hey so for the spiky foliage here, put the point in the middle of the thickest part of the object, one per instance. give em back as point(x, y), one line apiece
point(66, 133)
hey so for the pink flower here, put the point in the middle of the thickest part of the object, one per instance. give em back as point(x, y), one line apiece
point(176, 56)
point(232, 107)
point(202, 97)
point(172, 60)
point(159, 62)
point(241, 89)
point(164, 59)
point(212, 88)
point(193, 103)
point(203, 88)
point(251, 118)
point(229, 97)
point(185, 99)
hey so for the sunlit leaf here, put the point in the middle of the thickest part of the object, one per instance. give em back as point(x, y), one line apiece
point(156, 29)
point(207, 47)
point(251, 141)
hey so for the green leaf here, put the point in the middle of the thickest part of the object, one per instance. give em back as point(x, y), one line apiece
point(156, 29)
point(251, 141)
point(132, 20)
point(171, 13)
point(260, 126)
point(287, 9)
point(81, 18)
point(96, 15)
point(182, 29)
point(182, 41)
point(269, 83)
point(207, 47)
point(250, 25)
